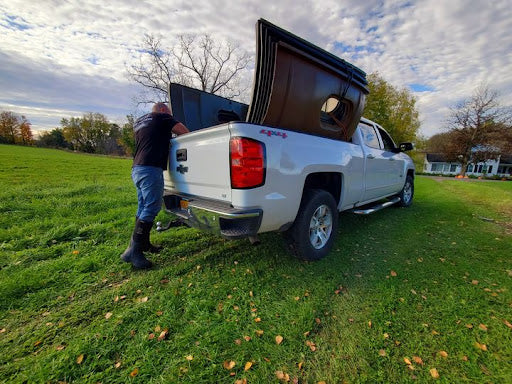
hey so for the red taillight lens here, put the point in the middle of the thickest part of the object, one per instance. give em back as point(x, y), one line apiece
point(247, 162)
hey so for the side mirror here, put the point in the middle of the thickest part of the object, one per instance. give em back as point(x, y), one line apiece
point(406, 147)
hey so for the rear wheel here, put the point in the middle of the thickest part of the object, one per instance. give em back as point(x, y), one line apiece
point(312, 235)
point(407, 192)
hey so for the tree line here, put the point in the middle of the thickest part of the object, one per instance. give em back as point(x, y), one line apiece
point(91, 133)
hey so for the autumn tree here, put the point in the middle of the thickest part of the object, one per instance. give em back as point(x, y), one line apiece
point(393, 108)
point(478, 128)
point(127, 138)
point(87, 133)
point(15, 129)
point(198, 62)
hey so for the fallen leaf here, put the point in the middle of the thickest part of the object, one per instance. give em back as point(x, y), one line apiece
point(311, 345)
point(4, 330)
point(189, 357)
point(474, 282)
point(282, 376)
point(386, 336)
point(241, 381)
point(279, 339)
point(507, 324)
point(238, 342)
point(159, 313)
point(144, 299)
point(407, 361)
point(369, 324)
point(257, 320)
point(483, 347)
point(75, 252)
point(469, 326)
point(321, 382)
point(411, 367)
point(164, 281)
point(108, 315)
point(482, 327)
point(60, 347)
point(464, 358)
point(248, 366)
point(434, 373)
point(163, 335)
point(37, 343)
point(417, 360)
point(382, 352)
point(259, 332)
point(248, 338)
point(135, 372)
point(318, 321)
point(300, 365)
point(117, 365)
point(434, 332)
point(151, 336)
point(229, 365)
point(393, 273)
point(79, 359)
point(158, 328)
point(443, 354)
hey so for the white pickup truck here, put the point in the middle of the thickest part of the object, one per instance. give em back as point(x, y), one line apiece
point(239, 180)
point(302, 155)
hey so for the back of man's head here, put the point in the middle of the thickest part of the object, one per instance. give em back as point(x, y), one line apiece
point(161, 108)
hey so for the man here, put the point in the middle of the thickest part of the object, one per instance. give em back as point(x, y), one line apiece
point(152, 134)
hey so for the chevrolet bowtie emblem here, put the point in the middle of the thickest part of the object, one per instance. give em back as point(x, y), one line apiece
point(181, 169)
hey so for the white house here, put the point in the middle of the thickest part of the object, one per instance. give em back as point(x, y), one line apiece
point(436, 163)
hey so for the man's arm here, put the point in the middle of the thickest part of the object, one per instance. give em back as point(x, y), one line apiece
point(179, 129)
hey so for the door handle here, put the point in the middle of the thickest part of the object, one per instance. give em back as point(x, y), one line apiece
point(370, 156)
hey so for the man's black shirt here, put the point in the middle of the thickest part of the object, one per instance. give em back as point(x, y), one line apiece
point(152, 134)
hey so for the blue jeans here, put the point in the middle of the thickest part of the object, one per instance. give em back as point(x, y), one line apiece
point(149, 182)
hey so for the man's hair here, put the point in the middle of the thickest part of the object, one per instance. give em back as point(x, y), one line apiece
point(161, 108)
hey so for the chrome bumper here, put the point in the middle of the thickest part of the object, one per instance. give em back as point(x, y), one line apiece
point(214, 217)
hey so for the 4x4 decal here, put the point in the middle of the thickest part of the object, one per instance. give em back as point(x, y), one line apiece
point(270, 132)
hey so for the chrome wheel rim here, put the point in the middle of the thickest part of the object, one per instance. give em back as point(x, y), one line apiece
point(320, 227)
point(407, 192)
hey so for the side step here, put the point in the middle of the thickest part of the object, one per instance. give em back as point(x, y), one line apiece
point(377, 207)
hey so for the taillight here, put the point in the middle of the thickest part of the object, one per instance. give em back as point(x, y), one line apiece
point(247, 162)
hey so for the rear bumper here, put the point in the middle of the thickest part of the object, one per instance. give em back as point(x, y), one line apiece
point(213, 216)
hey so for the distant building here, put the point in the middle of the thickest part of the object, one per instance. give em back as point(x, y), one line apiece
point(436, 163)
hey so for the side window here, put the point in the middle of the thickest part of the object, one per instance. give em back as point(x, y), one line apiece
point(369, 136)
point(389, 145)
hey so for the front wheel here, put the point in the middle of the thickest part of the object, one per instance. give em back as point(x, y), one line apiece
point(407, 192)
point(312, 235)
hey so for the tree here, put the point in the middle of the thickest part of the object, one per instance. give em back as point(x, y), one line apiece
point(53, 139)
point(127, 138)
point(394, 109)
point(86, 133)
point(477, 128)
point(198, 62)
point(14, 129)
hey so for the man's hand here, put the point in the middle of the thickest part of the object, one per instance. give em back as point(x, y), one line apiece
point(180, 129)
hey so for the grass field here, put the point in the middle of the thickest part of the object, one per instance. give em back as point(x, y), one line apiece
point(407, 295)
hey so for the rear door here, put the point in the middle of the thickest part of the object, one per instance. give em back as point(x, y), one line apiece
point(199, 164)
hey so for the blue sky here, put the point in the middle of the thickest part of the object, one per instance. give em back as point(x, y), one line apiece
point(63, 58)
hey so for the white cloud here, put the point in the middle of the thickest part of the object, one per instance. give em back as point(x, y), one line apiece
point(70, 57)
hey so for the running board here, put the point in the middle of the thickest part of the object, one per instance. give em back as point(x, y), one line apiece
point(376, 208)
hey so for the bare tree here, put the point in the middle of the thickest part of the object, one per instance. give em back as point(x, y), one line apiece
point(198, 62)
point(477, 127)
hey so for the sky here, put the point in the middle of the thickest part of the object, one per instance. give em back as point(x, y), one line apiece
point(61, 59)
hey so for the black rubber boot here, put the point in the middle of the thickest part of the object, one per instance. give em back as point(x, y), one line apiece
point(133, 253)
point(146, 244)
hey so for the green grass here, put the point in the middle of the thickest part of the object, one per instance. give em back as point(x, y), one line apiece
point(402, 282)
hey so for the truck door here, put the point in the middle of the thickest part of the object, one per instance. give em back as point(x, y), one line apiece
point(396, 163)
point(380, 170)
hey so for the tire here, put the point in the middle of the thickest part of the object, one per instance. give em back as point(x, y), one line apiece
point(407, 192)
point(312, 235)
